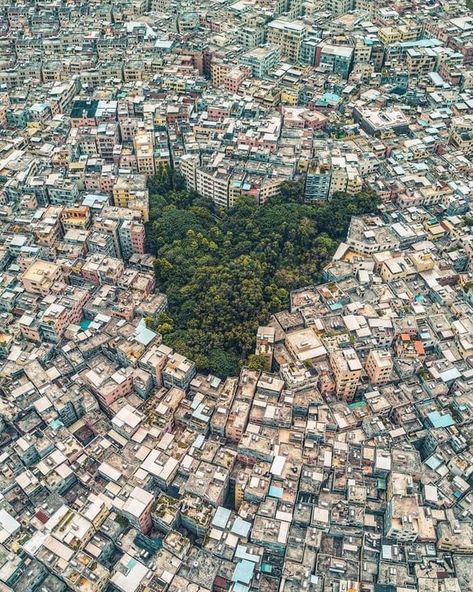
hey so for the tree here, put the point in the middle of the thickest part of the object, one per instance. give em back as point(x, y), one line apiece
point(163, 323)
point(162, 181)
point(223, 363)
point(257, 362)
point(165, 328)
point(291, 191)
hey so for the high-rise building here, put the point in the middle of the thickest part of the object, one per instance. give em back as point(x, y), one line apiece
point(347, 368)
point(317, 182)
point(144, 149)
point(261, 59)
point(379, 366)
point(288, 35)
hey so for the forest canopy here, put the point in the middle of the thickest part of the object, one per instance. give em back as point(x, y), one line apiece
point(226, 272)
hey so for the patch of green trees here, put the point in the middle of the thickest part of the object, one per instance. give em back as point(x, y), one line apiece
point(226, 272)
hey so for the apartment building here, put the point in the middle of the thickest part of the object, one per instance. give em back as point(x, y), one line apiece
point(288, 36)
point(40, 276)
point(144, 150)
point(379, 366)
point(262, 60)
point(347, 369)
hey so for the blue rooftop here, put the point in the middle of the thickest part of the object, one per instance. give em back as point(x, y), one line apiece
point(276, 492)
point(449, 375)
point(222, 515)
point(243, 572)
point(420, 43)
point(328, 96)
point(199, 441)
point(84, 324)
point(440, 420)
point(328, 99)
point(243, 553)
point(433, 462)
point(91, 198)
point(199, 413)
point(241, 527)
point(131, 563)
point(144, 335)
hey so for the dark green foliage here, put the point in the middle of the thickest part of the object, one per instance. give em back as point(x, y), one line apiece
point(224, 275)
point(223, 363)
point(257, 362)
point(162, 324)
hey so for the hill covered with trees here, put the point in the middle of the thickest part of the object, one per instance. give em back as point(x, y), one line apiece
point(225, 272)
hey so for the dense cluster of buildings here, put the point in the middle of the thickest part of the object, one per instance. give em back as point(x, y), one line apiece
point(346, 465)
point(239, 96)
